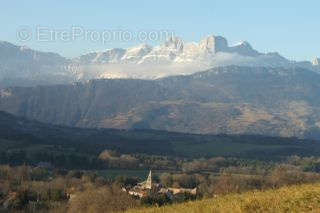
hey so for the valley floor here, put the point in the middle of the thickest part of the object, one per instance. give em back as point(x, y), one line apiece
point(299, 198)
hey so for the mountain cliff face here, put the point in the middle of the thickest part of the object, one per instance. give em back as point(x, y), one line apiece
point(232, 100)
point(20, 66)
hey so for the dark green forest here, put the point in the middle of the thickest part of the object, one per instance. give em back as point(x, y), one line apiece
point(30, 142)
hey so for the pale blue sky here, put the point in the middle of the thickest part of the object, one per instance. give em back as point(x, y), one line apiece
point(289, 27)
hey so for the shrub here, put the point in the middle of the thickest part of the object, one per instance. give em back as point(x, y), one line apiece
point(105, 199)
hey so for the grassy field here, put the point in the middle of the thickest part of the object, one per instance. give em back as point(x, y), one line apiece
point(301, 198)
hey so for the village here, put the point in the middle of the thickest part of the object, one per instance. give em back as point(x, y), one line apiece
point(148, 188)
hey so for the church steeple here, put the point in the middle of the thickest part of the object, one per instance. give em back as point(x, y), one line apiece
point(149, 181)
point(316, 62)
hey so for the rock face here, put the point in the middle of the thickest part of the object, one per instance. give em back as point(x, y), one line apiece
point(20, 66)
point(214, 44)
point(231, 100)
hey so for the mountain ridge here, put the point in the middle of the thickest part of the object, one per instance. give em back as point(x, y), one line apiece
point(22, 66)
point(224, 100)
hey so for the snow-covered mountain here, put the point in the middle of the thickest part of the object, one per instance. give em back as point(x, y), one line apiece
point(23, 66)
point(174, 57)
point(211, 51)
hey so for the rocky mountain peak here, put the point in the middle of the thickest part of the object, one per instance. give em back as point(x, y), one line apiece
point(174, 42)
point(244, 48)
point(214, 44)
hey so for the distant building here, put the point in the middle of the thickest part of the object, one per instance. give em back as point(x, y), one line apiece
point(148, 183)
point(183, 190)
point(316, 62)
point(147, 187)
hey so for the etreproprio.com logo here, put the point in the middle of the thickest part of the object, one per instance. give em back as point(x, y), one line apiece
point(75, 33)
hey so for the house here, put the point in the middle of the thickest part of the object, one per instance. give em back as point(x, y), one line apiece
point(183, 190)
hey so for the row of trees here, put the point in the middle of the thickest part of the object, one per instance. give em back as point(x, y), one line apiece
point(110, 159)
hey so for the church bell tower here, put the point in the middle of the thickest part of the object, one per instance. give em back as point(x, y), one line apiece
point(149, 181)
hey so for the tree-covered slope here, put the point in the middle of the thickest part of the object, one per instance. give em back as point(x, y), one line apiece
point(228, 100)
point(19, 136)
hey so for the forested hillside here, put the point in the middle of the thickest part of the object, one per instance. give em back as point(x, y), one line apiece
point(229, 100)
